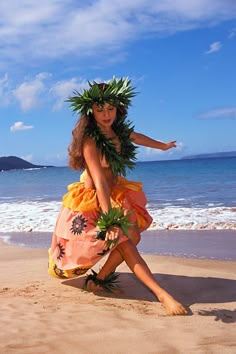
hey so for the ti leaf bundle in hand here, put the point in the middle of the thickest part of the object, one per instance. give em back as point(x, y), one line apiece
point(114, 217)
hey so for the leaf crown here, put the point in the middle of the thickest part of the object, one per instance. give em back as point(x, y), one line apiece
point(117, 92)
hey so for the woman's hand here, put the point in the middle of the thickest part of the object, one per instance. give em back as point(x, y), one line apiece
point(169, 145)
point(113, 234)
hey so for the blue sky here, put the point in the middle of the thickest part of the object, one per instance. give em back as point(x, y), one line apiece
point(179, 55)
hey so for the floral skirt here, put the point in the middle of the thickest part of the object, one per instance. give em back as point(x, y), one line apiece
point(75, 249)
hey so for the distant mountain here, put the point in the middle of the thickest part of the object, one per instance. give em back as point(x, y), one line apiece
point(211, 155)
point(15, 163)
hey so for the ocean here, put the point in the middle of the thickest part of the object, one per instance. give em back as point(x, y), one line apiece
point(191, 194)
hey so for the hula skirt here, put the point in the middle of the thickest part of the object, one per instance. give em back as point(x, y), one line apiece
point(75, 249)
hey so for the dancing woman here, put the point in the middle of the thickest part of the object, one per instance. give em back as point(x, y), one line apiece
point(105, 213)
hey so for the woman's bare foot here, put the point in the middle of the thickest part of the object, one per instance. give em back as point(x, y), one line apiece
point(173, 307)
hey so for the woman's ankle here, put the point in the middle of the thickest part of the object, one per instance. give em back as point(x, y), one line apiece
point(161, 294)
point(102, 274)
point(108, 283)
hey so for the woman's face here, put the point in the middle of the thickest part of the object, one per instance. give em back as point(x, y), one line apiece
point(104, 115)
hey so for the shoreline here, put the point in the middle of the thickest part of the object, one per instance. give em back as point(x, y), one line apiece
point(40, 314)
point(194, 244)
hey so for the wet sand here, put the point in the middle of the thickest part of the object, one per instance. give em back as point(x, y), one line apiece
point(210, 244)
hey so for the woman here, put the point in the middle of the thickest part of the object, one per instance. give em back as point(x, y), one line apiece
point(105, 213)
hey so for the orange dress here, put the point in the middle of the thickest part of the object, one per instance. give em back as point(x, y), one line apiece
point(75, 249)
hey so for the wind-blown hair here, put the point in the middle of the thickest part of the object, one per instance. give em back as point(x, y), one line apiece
point(76, 159)
point(75, 149)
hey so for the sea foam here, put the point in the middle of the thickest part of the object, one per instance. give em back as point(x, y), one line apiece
point(40, 216)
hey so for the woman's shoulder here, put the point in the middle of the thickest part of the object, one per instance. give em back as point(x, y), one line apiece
point(89, 141)
point(89, 145)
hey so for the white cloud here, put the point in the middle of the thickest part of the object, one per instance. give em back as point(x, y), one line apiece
point(28, 157)
point(20, 126)
point(55, 28)
point(214, 47)
point(232, 33)
point(180, 146)
point(152, 152)
point(148, 154)
point(220, 113)
point(29, 93)
point(38, 91)
point(61, 90)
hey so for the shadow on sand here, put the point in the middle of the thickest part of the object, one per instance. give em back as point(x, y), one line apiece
point(188, 290)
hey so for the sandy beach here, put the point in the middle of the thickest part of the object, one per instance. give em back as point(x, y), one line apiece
point(40, 314)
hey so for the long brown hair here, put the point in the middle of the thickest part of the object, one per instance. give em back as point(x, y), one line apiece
point(76, 159)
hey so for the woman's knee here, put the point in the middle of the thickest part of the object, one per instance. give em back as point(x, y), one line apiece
point(126, 248)
point(136, 237)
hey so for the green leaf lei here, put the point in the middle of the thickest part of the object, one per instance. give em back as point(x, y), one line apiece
point(118, 161)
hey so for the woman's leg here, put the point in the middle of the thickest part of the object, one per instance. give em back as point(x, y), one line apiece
point(113, 261)
point(115, 258)
point(138, 266)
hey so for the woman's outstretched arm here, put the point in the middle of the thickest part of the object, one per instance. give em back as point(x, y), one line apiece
point(141, 139)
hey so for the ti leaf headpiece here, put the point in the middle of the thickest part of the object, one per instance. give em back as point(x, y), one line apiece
point(118, 92)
